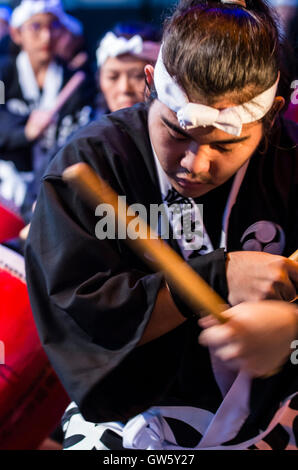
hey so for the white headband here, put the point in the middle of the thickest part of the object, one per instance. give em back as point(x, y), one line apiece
point(29, 8)
point(113, 46)
point(192, 115)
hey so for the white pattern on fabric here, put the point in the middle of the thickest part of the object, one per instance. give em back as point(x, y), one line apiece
point(264, 236)
point(155, 432)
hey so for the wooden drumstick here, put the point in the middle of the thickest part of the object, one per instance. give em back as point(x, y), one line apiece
point(70, 87)
point(190, 286)
point(64, 95)
point(294, 256)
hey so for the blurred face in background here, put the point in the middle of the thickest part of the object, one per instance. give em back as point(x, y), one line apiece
point(38, 37)
point(122, 81)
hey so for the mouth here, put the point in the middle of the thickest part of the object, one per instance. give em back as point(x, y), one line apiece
point(187, 183)
point(127, 103)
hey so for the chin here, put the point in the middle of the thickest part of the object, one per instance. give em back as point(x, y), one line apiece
point(45, 56)
point(127, 104)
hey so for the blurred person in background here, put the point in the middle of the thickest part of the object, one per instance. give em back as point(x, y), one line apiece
point(122, 56)
point(33, 81)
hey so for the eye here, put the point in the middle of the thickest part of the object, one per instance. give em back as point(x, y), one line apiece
point(113, 78)
point(35, 27)
point(220, 148)
point(176, 136)
point(136, 74)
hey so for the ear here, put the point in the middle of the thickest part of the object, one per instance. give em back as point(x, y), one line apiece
point(15, 35)
point(278, 104)
point(149, 74)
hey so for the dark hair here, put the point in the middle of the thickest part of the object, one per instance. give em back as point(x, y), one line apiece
point(215, 49)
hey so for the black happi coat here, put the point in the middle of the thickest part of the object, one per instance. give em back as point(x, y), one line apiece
point(14, 145)
point(92, 299)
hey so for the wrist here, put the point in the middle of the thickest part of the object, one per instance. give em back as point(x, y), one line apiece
point(183, 308)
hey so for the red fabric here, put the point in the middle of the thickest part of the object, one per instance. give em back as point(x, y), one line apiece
point(32, 398)
point(10, 224)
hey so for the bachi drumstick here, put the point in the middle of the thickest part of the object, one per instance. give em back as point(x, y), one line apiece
point(190, 286)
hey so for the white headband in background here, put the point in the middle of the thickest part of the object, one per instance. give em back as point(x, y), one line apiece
point(113, 46)
point(29, 8)
point(192, 115)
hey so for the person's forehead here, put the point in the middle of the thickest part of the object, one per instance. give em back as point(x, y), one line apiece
point(165, 114)
point(123, 62)
point(44, 18)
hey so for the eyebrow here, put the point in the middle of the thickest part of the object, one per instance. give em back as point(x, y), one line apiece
point(178, 129)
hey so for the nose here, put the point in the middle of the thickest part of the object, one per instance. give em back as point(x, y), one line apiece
point(46, 34)
point(196, 159)
point(124, 84)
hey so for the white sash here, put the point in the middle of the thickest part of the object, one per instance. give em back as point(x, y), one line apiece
point(30, 89)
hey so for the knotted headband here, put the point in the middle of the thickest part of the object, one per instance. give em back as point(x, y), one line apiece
point(29, 8)
point(113, 46)
point(192, 115)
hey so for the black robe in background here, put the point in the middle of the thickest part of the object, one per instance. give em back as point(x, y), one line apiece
point(92, 298)
point(14, 145)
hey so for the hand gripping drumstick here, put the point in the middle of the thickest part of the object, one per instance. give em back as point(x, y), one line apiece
point(190, 286)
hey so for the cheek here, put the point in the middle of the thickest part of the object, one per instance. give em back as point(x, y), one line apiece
point(26, 43)
point(107, 86)
point(139, 87)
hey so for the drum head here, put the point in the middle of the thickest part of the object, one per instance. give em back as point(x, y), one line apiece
point(32, 398)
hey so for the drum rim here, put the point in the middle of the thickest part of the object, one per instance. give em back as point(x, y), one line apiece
point(12, 262)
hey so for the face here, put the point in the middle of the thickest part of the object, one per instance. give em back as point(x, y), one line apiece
point(122, 81)
point(201, 159)
point(38, 36)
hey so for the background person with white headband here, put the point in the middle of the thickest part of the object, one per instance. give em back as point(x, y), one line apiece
point(33, 80)
point(142, 372)
point(121, 58)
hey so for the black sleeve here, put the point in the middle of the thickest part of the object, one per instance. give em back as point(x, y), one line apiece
point(14, 145)
point(90, 305)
